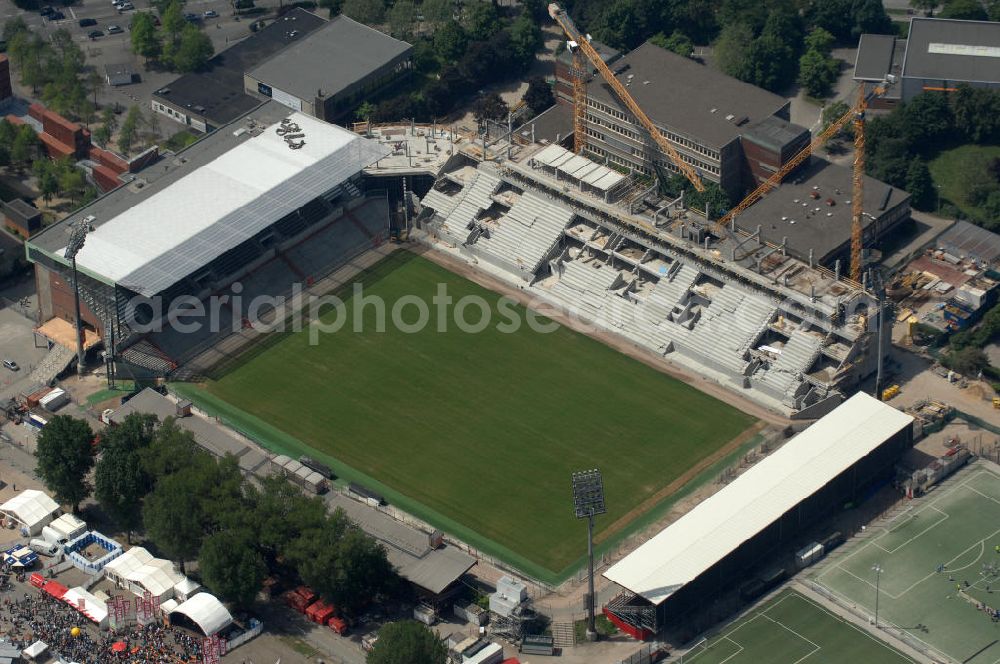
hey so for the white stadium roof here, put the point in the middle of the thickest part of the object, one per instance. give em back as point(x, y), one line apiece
point(207, 612)
point(698, 540)
point(30, 507)
point(152, 245)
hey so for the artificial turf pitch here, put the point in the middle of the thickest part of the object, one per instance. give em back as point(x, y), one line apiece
point(793, 629)
point(956, 526)
point(480, 431)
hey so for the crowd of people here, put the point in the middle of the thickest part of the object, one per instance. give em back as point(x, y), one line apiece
point(39, 617)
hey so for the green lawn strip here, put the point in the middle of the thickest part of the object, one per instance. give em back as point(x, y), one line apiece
point(949, 167)
point(282, 443)
point(487, 427)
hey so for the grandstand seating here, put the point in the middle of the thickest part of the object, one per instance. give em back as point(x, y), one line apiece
point(527, 234)
point(475, 197)
point(797, 356)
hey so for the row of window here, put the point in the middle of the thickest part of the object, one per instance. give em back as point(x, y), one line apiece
point(672, 137)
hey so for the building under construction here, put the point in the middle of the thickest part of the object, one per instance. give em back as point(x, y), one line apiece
point(600, 244)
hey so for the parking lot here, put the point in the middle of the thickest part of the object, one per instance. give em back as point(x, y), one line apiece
point(17, 343)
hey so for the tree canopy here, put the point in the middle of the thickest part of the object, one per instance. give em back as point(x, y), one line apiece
point(407, 642)
point(539, 95)
point(120, 483)
point(65, 457)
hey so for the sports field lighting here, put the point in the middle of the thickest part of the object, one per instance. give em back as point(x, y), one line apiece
point(77, 236)
point(877, 568)
point(588, 499)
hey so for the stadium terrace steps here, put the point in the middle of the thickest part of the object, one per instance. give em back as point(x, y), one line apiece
point(475, 197)
point(145, 354)
point(441, 203)
point(585, 285)
point(54, 363)
point(796, 357)
point(526, 235)
point(670, 291)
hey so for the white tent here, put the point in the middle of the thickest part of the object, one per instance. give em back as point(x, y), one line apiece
point(68, 526)
point(88, 605)
point(168, 606)
point(205, 611)
point(121, 567)
point(157, 577)
point(35, 650)
point(185, 589)
point(31, 508)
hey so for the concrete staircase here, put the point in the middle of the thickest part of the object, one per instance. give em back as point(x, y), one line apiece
point(53, 364)
point(563, 635)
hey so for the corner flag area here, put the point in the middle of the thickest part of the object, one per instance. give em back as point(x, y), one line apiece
point(793, 629)
point(940, 578)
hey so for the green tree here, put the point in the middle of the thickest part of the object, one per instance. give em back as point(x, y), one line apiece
point(968, 361)
point(194, 50)
point(365, 111)
point(870, 17)
point(65, 457)
point(173, 514)
point(539, 95)
point(145, 39)
point(232, 567)
point(25, 147)
point(13, 27)
point(172, 21)
point(920, 185)
point(283, 514)
point(732, 50)
point(369, 12)
point(972, 10)
point(407, 642)
point(48, 182)
point(120, 483)
point(333, 7)
point(926, 6)
point(817, 73)
point(72, 181)
point(489, 107)
point(129, 131)
point(481, 20)
point(819, 40)
point(342, 564)
point(525, 39)
point(450, 41)
point(620, 25)
point(677, 42)
point(402, 19)
point(438, 12)
point(770, 63)
point(833, 112)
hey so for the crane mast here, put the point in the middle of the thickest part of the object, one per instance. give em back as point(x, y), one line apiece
point(583, 44)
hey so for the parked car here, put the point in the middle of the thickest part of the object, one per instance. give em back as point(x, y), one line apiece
point(114, 29)
point(95, 34)
point(87, 22)
point(56, 16)
point(46, 11)
point(211, 13)
point(193, 18)
point(11, 364)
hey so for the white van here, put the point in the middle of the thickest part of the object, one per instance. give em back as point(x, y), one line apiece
point(43, 547)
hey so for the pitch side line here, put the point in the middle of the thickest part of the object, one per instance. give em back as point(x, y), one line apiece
point(856, 628)
point(920, 534)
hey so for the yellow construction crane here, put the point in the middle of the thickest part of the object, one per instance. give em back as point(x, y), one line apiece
point(855, 114)
point(579, 75)
point(583, 45)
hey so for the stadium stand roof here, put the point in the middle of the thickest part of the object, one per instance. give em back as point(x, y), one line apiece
point(217, 92)
point(349, 50)
point(714, 108)
point(31, 507)
point(207, 612)
point(578, 168)
point(953, 50)
point(701, 538)
point(160, 239)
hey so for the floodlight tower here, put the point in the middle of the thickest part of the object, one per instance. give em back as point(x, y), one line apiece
point(77, 236)
point(588, 499)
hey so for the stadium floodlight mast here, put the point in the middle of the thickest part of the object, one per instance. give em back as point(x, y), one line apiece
point(877, 568)
point(77, 236)
point(588, 500)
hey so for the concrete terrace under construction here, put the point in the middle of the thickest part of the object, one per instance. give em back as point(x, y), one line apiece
point(792, 337)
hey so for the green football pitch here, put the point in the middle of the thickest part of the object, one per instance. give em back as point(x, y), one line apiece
point(793, 629)
point(954, 529)
point(477, 433)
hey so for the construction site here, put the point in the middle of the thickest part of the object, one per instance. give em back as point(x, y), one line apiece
point(731, 305)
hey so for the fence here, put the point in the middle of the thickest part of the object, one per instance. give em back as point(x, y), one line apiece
point(649, 653)
point(256, 627)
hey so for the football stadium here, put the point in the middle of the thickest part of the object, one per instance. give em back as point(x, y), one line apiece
point(477, 433)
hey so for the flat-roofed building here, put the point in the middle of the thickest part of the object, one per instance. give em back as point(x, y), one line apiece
point(685, 566)
point(331, 71)
point(938, 54)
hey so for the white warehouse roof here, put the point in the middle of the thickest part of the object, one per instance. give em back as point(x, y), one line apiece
point(31, 507)
point(152, 245)
point(698, 540)
point(207, 612)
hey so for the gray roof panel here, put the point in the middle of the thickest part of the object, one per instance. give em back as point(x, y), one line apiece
point(980, 38)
